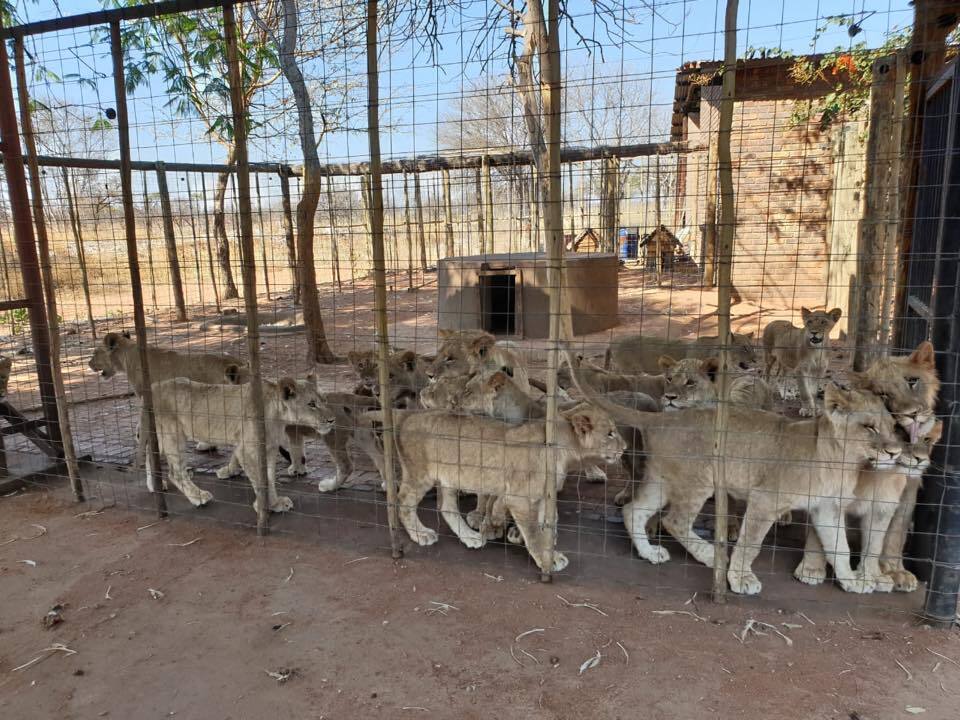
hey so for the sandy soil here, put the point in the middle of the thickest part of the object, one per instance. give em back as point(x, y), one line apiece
point(431, 635)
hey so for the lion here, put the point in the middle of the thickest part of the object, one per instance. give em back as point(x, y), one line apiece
point(6, 366)
point(223, 414)
point(693, 383)
point(485, 456)
point(118, 353)
point(606, 381)
point(883, 504)
point(470, 351)
point(407, 372)
point(641, 354)
point(801, 350)
point(773, 463)
point(908, 386)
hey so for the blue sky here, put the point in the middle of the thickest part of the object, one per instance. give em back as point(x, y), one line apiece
point(416, 93)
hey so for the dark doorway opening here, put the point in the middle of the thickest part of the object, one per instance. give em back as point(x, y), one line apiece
point(498, 298)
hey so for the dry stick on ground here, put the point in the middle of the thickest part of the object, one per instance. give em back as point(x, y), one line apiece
point(78, 245)
point(379, 272)
point(723, 301)
point(288, 232)
point(133, 260)
point(43, 246)
point(245, 218)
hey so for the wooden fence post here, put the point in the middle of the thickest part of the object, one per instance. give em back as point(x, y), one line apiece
point(288, 233)
point(170, 241)
point(148, 423)
point(448, 213)
point(206, 231)
point(481, 231)
point(196, 240)
point(149, 228)
point(379, 271)
point(409, 233)
point(488, 204)
point(421, 231)
point(78, 245)
point(263, 237)
point(334, 239)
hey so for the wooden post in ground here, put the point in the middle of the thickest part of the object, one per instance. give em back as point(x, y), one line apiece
point(334, 239)
point(890, 253)
point(409, 232)
point(481, 231)
point(196, 240)
point(379, 271)
point(46, 270)
point(148, 423)
point(170, 242)
point(488, 204)
point(78, 245)
point(245, 218)
point(263, 237)
point(710, 211)
point(448, 214)
point(149, 228)
point(421, 230)
point(288, 234)
point(871, 272)
point(724, 274)
point(209, 244)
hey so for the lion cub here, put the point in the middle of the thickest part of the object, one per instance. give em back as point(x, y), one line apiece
point(692, 383)
point(407, 370)
point(641, 354)
point(475, 351)
point(223, 414)
point(801, 350)
point(489, 457)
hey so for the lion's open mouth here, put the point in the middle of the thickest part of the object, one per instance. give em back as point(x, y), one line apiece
point(816, 339)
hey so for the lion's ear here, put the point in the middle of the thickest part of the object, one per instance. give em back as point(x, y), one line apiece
point(288, 388)
point(232, 373)
point(836, 398)
point(481, 346)
point(666, 362)
point(836, 314)
point(710, 367)
point(111, 340)
point(582, 424)
point(353, 356)
point(924, 356)
point(805, 313)
point(409, 360)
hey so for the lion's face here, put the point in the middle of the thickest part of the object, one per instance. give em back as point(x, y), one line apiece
point(103, 357)
point(461, 353)
point(916, 456)
point(743, 353)
point(863, 425)
point(688, 382)
point(6, 365)
point(364, 364)
point(303, 405)
point(596, 432)
point(817, 325)
point(908, 386)
point(444, 393)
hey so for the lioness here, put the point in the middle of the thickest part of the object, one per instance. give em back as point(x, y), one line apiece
point(692, 383)
point(6, 365)
point(880, 498)
point(641, 354)
point(470, 351)
point(489, 457)
point(223, 414)
point(801, 350)
point(773, 463)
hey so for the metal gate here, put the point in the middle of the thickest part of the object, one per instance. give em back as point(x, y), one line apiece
point(932, 312)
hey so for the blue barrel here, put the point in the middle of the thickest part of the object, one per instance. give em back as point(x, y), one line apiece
point(628, 248)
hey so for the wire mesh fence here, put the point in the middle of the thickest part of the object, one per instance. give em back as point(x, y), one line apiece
point(248, 148)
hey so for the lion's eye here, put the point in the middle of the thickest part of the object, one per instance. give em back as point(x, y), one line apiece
point(312, 404)
point(912, 382)
point(872, 428)
point(612, 434)
point(691, 383)
point(669, 378)
point(448, 359)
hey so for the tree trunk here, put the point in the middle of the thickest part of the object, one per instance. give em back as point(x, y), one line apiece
point(289, 236)
point(318, 350)
point(334, 248)
point(409, 234)
point(448, 214)
point(421, 231)
point(206, 234)
point(173, 260)
point(230, 291)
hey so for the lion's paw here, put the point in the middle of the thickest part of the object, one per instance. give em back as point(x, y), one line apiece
point(656, 555)
point(810, 574)
point(514, 536)
point(858, 583)
point(904, 580)
point(281, 504)
point(328, 484)
point(744, 583)
point(474, 518)
point(560, 562)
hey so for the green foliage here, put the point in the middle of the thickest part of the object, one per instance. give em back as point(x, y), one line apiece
point(17, 319)
point(849, 70)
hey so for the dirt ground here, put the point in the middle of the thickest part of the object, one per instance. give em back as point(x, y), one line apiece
point(188, 619)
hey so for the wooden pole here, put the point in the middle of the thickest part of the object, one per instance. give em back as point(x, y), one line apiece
point(334, 238)
point(7, 285)
point(206, 230)
point(421, 230)
point(893, 217)
point(170, 241)
point(78, 245)
point(288, 232)
point(263, 236)
point(724, 273)
point(148, 423)
point(710, 225)
point(448, 213)
point(877, 185)
point(196, 240)
point(488, 204)
point(249, 267)
point(149, 227)
point(409, 233)
point(43, 246)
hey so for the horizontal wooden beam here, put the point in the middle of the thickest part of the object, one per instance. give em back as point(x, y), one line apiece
point(420, 163)
point(14, 304)
point(104, 17)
